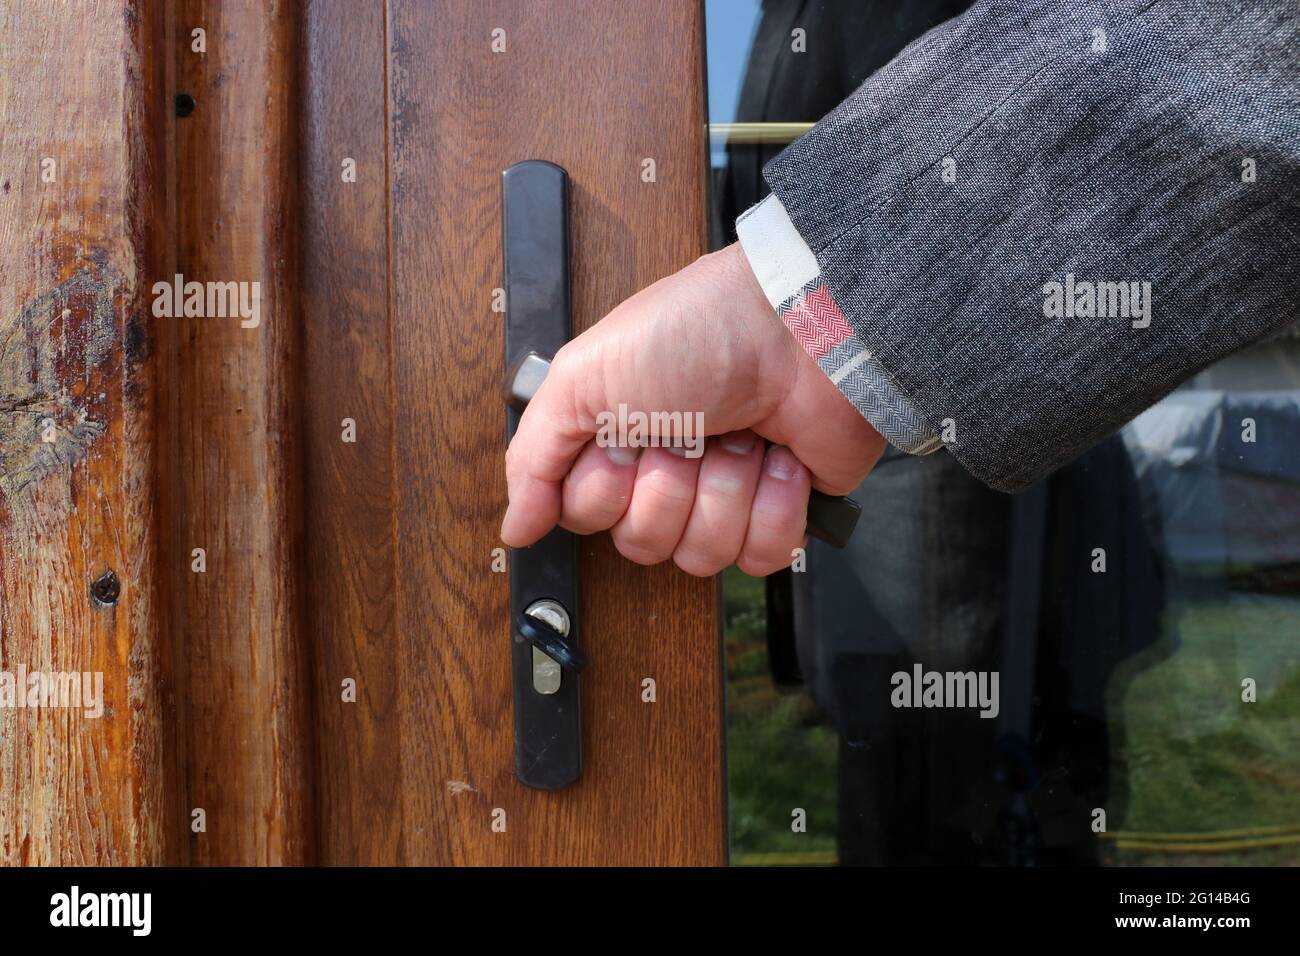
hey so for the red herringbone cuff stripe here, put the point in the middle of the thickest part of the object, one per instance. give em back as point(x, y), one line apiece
point(815, 320)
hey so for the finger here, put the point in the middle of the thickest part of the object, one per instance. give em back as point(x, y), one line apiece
point(545, 444)
point(661, 505)
point(715, 531)
point(598, 488)
point(779, 514)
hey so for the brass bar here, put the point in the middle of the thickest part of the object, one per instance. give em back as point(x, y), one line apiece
point(757, 132)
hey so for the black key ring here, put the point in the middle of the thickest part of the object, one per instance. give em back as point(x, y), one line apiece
point(550, 642)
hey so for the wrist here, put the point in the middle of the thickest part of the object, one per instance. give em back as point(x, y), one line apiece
point(741, 283)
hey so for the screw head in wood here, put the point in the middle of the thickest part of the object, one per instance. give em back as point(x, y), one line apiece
point(106, 589)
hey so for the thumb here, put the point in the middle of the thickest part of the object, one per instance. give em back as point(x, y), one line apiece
point(545, 445)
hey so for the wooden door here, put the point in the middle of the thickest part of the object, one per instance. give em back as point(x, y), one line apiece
point(596, 88)
point(82, 224)
point(333, 685)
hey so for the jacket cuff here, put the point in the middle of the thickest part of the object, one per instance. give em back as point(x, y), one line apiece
point(791, 280)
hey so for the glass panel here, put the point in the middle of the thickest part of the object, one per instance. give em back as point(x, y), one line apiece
point(1140, 608)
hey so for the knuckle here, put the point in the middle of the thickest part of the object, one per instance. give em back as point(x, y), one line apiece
point(838, 488)
point(512, 459)
point(588, 520)
point(563, 359)
point(665, 490)
point(776, 519)
point(759, 565)
point(639, 552)
point(724, 486)
point(699, 563)
point(591, 507)
point(569, 524)
point(596, 504)
point(640, 544)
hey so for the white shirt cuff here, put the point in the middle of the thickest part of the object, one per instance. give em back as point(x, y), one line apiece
point(780, 259)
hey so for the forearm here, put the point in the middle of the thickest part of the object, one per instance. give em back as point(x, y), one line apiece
point(1024, 147)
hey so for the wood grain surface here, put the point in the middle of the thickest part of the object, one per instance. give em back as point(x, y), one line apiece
point(236, 469)
point(327, 561)
point(82, 88)
point(596, 87)
point(350, 486)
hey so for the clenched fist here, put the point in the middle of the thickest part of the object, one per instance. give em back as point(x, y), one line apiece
point(703, 342)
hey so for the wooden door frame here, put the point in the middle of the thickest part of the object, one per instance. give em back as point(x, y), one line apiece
point(328, 560)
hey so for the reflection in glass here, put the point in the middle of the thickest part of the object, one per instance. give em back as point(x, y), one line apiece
point(1131, 605)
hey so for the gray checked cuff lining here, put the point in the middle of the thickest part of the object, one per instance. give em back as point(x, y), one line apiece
point(791, 280)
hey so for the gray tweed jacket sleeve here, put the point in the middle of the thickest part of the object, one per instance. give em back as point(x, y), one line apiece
point(1040, 218)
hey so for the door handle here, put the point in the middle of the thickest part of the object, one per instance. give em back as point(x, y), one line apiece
point(545, 655)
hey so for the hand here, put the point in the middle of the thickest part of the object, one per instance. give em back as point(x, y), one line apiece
point(703, 340)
